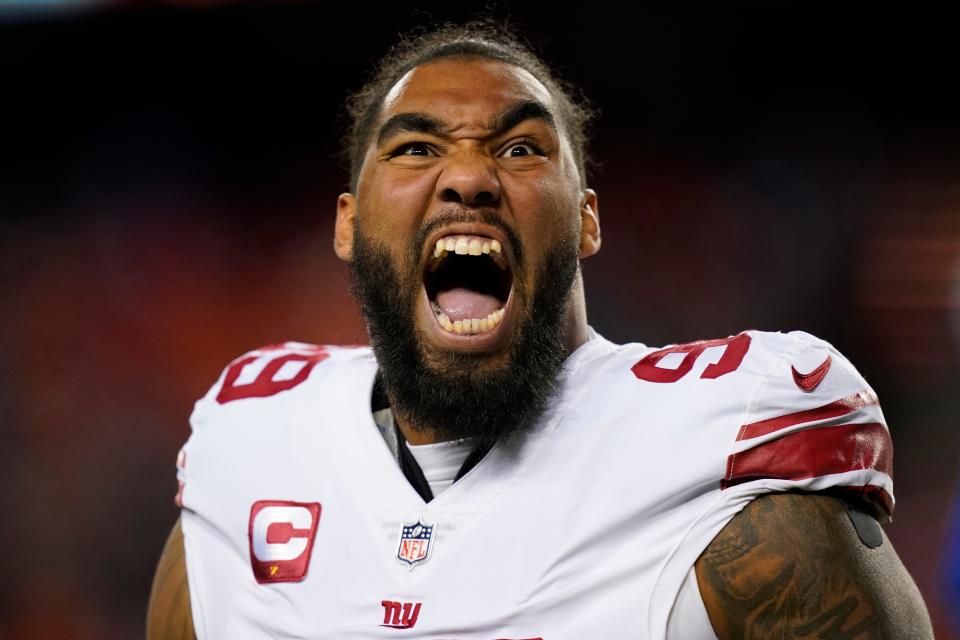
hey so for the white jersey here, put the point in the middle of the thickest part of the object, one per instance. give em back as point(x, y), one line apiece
point(298, 522)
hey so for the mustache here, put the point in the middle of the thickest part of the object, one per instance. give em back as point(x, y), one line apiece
point(450, 216)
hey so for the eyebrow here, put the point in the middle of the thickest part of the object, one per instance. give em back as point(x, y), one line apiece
point(418, 122)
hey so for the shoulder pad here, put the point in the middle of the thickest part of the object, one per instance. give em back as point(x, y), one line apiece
point(270, 371)
point(813, 417)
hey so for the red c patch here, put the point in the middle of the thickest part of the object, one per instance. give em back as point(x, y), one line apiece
point(281, 539)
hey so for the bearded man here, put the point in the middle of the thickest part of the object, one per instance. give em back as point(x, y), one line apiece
point(494, 468)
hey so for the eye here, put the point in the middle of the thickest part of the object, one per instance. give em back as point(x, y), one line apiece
point(522, 149)
point(420, 149)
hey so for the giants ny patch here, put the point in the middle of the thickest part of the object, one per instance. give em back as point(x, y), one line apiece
point(416, 542)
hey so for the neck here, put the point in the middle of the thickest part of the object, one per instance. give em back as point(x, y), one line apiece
point(575, 323)
point(413, 436)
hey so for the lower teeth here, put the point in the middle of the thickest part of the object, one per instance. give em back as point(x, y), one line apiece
point(468, 327)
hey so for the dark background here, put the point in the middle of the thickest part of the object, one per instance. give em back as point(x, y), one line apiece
point(168, 177)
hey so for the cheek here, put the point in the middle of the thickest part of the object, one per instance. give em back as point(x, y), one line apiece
point(545, 194)
point(546, 212)
point(399, 200)
point(391, 208)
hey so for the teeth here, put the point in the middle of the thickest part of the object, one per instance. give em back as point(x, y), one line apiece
point(474, 246)
point(466, 245)
point(445, 321)
point(471, 326)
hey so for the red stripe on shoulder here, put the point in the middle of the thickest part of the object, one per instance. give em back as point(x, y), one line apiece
point(835, 409)
point(814, 452)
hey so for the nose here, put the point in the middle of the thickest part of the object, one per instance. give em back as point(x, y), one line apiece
point(469, 178)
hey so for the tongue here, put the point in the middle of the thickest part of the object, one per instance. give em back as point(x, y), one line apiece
point(466, 304)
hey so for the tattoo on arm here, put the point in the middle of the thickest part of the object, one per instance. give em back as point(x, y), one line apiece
point(791, 566)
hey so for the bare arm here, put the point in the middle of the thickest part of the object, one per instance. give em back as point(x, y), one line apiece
point(168, 614)
point(792, 566)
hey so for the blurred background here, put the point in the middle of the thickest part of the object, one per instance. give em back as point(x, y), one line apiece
point(168, 176)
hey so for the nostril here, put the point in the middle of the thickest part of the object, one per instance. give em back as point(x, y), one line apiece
point(451, 195)
point(479, 198)
point(484, 197)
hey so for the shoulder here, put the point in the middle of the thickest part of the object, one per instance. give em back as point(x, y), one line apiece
point(804, 379)
point(796, 364)
point(760, 413)
point(267, 371)
point(273, 375)
point(806, 364)
point(263, 398)
point(813, 423)
point(777, 370)
point(753, 352)
point(770, 411)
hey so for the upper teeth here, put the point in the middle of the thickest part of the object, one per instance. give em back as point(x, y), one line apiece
point(466, 245)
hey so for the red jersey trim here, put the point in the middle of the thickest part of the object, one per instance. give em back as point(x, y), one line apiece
point(818, 452)
point(815, 452)
point(835, 409)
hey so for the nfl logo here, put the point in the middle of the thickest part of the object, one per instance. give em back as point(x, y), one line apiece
point(415, 538)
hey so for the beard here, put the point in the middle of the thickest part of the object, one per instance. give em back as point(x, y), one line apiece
point(456, 395)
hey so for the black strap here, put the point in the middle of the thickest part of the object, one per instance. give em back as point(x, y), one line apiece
point(412, 470)
point(475, 456)
point(414, 474)
point(378, 398)
point(408, 463)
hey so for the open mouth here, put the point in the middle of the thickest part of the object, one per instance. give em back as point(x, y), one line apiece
point(468, 282)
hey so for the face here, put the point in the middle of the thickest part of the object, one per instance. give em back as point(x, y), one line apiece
point(464, 239)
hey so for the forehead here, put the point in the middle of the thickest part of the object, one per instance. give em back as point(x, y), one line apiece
point(464, 91)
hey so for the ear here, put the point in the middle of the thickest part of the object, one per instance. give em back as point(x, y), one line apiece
point(343, 230)
point(589, 224)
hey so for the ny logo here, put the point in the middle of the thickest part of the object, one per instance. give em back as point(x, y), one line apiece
point(400, 615)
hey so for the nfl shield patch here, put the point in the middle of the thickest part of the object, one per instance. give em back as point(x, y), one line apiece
point(416, 542)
